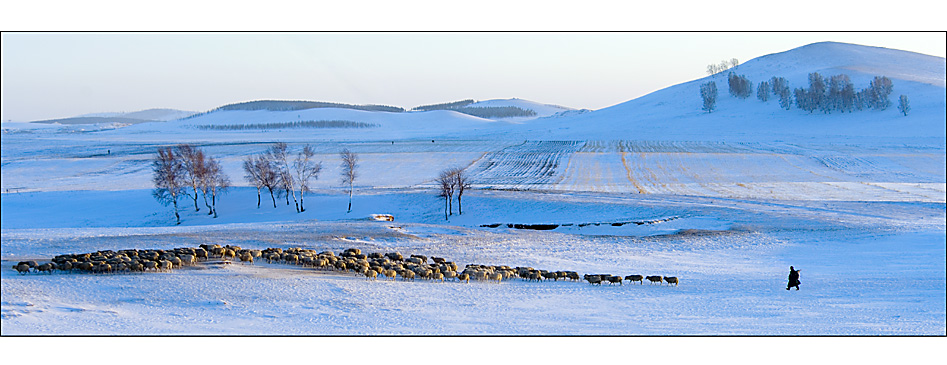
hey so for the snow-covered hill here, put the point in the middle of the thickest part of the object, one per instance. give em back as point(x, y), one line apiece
point(674, 113)
point(157, 114)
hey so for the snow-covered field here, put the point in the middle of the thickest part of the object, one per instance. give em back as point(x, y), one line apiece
point(727, 201)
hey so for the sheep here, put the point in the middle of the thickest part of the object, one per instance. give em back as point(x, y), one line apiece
point(22, 268)
point(437, 276)
point(535, 275)
point(614, 279)
point(390, 274)
point(496, 276)
point(633, 278)
point(86, 266)
point(371, 274)
point(572, 275)
point(102, 268)
point(654, 279)
point(449, 274)
point(550, 275)
point(420, 257)
point(247, 257)
point(65, 266)
point(463, 277)
point(228, 253)
point(593, 279)
point(407, 275)
point(165, 265)
point(671, 279)
point(188, 259)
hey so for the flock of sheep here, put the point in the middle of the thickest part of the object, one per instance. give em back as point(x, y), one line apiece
point(389, 266)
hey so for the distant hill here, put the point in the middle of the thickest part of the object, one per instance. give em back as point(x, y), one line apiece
point(157, 115)
point(288, 105)
point(93, 120)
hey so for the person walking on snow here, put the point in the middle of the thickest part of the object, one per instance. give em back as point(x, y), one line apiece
point(793, 278)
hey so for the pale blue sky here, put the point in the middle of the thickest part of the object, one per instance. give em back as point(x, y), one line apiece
point(56, 75)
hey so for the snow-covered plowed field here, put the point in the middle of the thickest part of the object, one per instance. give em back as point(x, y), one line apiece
point(785, 171)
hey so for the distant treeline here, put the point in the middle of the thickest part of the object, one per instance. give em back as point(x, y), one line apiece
point(482, 112)
point(444, 106)
point(288, 125)
point(497, 111)
point(288, 105)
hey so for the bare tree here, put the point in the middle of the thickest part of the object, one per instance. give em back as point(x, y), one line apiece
point(461, 183)
point(253, 176)
point(169, 179)
point(216, 181)
point(349, 171)
point(306, 169)
point(278, 155)
point(447, 182)
point(193, 160)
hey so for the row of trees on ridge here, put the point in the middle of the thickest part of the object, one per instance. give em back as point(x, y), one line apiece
point(826, 94)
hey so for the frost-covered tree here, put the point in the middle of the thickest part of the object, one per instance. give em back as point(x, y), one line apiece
point(708, 92)
point(841, 95)
point(349, 171)
point(879, 91)
point(306, 170)
point(762, 91)
point(169, 179)
point(253, 177)
point(816, 94)
point(740, 86)
point(782, 91)
point(903, 105)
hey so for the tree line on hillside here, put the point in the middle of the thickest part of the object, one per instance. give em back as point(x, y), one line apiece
point(187, 171)
point(288, 125)
point(462, 106)
point(825, 94)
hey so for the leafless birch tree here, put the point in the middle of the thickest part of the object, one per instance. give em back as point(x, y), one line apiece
point(349, 171)
point(461, 183)
point(446, 182)
point(279, 156)
point(215, 182)
point(193, 160)
point(306, 170)
point(169, 179)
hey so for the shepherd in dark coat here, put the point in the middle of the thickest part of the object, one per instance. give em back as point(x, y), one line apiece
point(793, 278)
